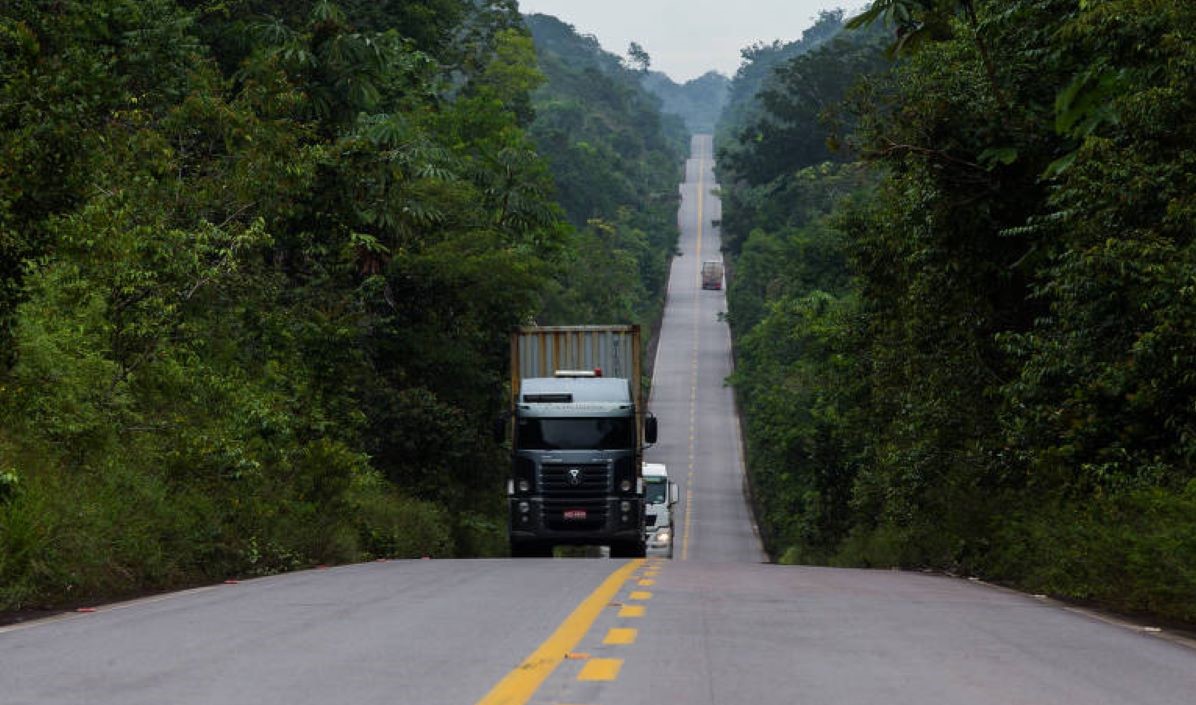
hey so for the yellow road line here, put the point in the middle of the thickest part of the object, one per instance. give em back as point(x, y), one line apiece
point(647, 582)
point(689, 511)
point(701, 188)
point(689, 498)
point(641, 595)
point(631, 611)
point(518, 686)
point(600, 669)
point(621, 635)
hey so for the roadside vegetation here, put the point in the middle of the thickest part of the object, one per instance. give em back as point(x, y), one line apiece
point(616, 162)
point(258, 264)
point(963, 294)
point(699, 101)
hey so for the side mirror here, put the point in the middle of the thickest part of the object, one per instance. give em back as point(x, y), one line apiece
point(650, 429)
point(674, 492)
point(500, 429)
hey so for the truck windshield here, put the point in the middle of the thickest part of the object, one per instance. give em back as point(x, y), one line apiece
point(655, 490)
point(576, 434)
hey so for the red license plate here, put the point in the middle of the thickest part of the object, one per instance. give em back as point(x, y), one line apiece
point(574, 514)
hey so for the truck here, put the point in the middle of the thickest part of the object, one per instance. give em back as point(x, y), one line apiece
point(660, 496)
point(712, 274)
point(577, 426)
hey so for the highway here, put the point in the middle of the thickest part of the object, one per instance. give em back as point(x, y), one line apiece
point(716, 625)
point(699, 438)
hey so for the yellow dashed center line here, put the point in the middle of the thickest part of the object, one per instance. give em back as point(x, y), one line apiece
point(520, 684)
point(600, 669)
point(631, 611)
point(620, 635)
point(687, 524)
point(641, 595)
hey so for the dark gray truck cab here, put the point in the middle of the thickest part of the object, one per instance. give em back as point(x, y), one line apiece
point(577, 440)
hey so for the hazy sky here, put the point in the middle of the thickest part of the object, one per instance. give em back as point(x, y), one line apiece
point(687, 38)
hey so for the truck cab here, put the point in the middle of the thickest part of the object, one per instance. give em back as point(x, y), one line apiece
point(660, 499)
point(577, 428)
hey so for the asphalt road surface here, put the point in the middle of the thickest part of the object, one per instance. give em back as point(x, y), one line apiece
point(699, 431)
point(715, 625)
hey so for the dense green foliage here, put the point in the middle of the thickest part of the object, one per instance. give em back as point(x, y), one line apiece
point(980, 359)
point(759, 61)
point(698, 101)
point(793, 307)
point(258, 264)
point(616, 163)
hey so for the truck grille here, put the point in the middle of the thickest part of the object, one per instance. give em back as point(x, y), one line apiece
point(554, 514)
point(588, 481)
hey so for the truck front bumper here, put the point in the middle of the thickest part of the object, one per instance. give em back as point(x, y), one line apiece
point(583, 522)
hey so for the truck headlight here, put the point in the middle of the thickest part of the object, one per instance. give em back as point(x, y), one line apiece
point(524, 507)
point(625, 506)
point(625, 485)
point(662, 537)
point(524, 486)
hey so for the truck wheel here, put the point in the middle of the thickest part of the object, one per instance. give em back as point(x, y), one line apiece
point(629, 549)
point(530, 549)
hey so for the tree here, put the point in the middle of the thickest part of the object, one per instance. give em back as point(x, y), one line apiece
point(638, 58)
point(1016, 324)
point(261, 251)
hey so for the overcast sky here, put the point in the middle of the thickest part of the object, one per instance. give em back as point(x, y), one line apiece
point(687, 38)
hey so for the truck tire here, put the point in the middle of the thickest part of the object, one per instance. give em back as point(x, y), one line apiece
point(629, 549)
point(530, 549)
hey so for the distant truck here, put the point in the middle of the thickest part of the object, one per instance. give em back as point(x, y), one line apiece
point(660, 496)
point(578, 429)
point(712, 274)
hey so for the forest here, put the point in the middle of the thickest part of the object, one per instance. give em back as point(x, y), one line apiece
point(963, 236)
point(259, 260)
point(699, 101)
point(258, 264)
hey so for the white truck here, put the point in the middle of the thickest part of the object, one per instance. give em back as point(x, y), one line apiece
point(660, 496)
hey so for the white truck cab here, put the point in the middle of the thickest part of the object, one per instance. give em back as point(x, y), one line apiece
point(660, 496)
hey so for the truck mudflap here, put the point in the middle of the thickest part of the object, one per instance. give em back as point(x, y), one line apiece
point(580, 522)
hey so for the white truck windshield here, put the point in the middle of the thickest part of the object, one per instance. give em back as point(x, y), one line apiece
point(655, 490)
